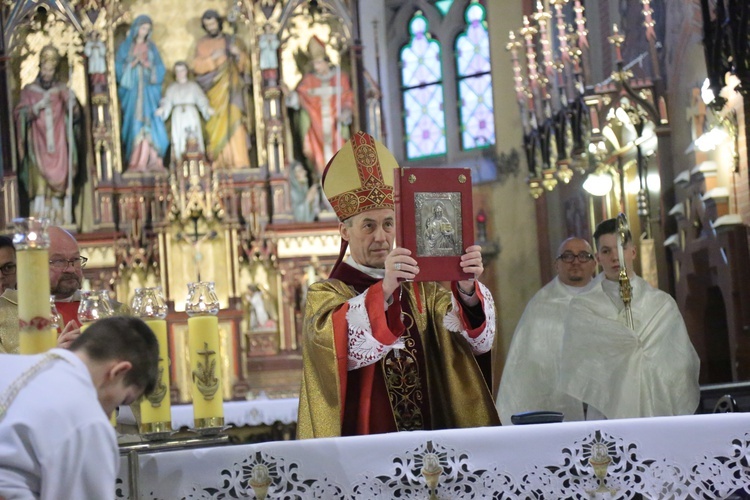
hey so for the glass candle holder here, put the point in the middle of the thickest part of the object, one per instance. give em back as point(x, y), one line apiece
point(55, 318)
point(31, 240)
point(156, 410)
point(202, 307)
point(94, 305)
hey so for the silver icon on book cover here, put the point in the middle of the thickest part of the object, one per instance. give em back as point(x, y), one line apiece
point(438, 224)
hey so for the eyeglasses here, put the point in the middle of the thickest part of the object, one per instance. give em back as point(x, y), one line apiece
point(62, 264)
point(569, 257)
point(8, 269)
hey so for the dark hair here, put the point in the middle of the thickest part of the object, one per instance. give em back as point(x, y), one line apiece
point(609, 226)
point(123, 338)
point(212, 14)
point(7, 242)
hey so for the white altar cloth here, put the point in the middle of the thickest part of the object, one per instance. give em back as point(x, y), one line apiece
point(252, 412)
point(702, 456)
point(239, 413)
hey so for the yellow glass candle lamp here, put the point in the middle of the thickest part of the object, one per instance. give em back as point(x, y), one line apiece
point(156, 410)
point(205, 359)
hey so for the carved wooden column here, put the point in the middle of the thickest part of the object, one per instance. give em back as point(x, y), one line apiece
point(727, 49)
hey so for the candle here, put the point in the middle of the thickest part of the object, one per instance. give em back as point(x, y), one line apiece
point(36, 333)
point(156, 409)
point(205, 360)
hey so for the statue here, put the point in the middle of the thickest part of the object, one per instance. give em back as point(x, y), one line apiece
point(140, 73)
point(268, 44)
point(185, 101)
point(47, 154)
point(220, 66)
point(438, 232)
point(304, 196)
point(96, 53)
point(261, 312)
point(326, 96)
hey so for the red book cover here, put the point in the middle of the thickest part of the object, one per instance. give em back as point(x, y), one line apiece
point(434, 219)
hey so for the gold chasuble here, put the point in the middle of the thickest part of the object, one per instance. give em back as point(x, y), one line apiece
point(434, 382)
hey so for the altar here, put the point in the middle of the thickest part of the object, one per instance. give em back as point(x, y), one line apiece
point(701, 456)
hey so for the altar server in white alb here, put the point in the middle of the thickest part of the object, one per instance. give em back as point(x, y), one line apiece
point(648, 370)
point(56, 441)
point(529, 381)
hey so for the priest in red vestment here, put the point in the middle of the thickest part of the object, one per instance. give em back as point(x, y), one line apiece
point(380, 354)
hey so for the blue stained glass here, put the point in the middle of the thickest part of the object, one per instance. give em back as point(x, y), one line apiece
point(444, 6)
point(474, 81)
point(422, 91)
point(424, 121)
point(420, 62)
point(478, 122)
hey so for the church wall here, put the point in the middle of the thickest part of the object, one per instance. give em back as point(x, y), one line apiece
point(510, 209)
point(373, 30)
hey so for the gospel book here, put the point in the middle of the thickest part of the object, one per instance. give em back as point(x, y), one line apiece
point(434, 219)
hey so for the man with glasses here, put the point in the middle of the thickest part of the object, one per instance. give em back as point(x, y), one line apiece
point(8, 302)
point(66, 277)
point(619, 371)
point(529, 381)
point(7, 264)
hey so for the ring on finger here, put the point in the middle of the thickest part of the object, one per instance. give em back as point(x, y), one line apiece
point(397, 266)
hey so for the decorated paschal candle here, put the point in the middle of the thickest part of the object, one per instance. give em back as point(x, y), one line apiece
point(36, 332)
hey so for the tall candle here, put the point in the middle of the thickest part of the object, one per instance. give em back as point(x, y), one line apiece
point(32, 341)
point(205, 360)
point(156, 409)
point(36, 333)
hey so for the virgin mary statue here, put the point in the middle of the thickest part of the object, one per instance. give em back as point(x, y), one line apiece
point(140, 73)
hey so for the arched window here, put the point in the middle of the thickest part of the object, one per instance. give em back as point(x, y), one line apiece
point(474, 81)
point(443, 6)
point(422, 92)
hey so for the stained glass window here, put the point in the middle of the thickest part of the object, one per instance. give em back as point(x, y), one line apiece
point(444, 6)
point(474, 81)
point(422, 92)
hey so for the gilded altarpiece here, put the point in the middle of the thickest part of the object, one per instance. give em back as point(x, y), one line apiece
point(157, 199)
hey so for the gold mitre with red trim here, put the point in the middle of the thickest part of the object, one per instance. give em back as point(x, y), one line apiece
point(359, 177)
point(317, 49)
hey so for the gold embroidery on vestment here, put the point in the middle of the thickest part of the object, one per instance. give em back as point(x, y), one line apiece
point(403, 383)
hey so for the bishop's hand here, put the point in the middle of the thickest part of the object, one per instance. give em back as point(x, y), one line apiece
point(399, 265)
point(471, 263)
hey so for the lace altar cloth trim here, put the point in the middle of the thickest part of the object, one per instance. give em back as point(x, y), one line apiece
point(238, 413)
point(705, 456)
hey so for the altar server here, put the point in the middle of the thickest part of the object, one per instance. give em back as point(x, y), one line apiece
point(56, 441)
point(620, 371)
point(529, 381)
